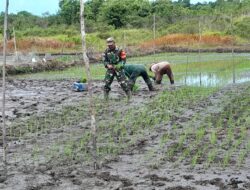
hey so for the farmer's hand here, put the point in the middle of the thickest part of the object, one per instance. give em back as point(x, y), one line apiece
point(110, 66)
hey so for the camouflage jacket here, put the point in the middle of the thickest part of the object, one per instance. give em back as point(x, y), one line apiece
point(116, 57)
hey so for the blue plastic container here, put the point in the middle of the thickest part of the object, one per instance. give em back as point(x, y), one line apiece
point(79, 87)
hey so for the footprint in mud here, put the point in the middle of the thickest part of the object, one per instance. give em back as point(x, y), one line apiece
point(107, 177)
point(247, 185)
point(234, 182)
point(188, 177)
point(180, 188)
point(76, 181)
point(155, 177)
point(216, 182)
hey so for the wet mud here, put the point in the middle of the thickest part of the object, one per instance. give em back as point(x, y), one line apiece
point(32, 166)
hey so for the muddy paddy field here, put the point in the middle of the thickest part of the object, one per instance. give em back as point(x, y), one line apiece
point(182, 137)
point(174, 138)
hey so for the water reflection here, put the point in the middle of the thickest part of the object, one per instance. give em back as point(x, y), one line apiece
point(211, 79)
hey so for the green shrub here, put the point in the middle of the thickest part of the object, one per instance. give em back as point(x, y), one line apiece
point(242, 28)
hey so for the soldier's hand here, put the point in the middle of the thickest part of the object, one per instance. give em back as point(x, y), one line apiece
point(118, 67)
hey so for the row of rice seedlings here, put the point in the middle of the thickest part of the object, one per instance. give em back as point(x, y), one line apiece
point(180, 148)
point(56, 119)
point(135, 124)
point(39, 125)
point(213, 139)
point(236, 132)
point(145, 118)
point(244, 153)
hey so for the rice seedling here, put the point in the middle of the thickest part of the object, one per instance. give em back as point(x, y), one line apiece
point(195, 159)
point(211, 156)
point(164, 139)
point(35, 153)
point(226, 159)
point(242, 156)
point(181, 140)
point(213, 137)
point(170, 152)
point(200, 134)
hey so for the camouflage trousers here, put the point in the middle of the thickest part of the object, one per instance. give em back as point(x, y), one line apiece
point(121, 78)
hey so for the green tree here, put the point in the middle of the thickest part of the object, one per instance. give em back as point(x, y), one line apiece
point(184, 3)
point(115, 13)
point(168, 11)
point(92, 9)
point(70, 11)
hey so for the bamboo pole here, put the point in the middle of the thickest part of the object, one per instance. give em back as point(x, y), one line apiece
point(4, 84)
point(89, 79)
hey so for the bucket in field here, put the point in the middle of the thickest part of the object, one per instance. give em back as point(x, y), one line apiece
point(79, 87)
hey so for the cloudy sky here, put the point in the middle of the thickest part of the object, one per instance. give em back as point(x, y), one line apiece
point(38, 7)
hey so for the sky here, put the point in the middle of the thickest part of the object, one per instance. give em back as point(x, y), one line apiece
point(38, 7)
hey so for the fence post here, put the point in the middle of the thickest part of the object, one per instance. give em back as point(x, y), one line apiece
point(233, 62)
point(14, 33)
point(89, 79)
point(4, 86)
point(186, 69)
point(199, 56)
point(154, 34)
point(234, 75)
point(124, 40)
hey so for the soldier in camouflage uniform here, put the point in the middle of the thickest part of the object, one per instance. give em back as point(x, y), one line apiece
point(114, 60)
point(133, 71)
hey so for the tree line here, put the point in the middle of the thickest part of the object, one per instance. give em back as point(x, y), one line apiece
point(102, 15)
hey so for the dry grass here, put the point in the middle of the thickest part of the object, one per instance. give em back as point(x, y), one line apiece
point(189, 39)
point(40, 44)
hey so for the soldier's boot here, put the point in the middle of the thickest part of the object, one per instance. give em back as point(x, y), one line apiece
point(151, 88)
point(129, 95)
point(106, 96)
point(130, 85)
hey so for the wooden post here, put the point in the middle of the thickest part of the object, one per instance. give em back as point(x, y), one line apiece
point(186, 69)
point(4, 84)
point(89, 79)
point(15, 44)
point(233, 62)
point(154, 36)
point(200, 46)
point(124, 40)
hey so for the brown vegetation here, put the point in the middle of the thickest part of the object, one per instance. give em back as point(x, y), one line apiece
point(41, 44)
point(189, 40)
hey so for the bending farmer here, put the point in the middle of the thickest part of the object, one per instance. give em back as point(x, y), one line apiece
point(114, 60)
point(132, 71)
point(161, 68)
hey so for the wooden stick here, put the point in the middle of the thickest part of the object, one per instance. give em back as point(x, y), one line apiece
point(4, 84)
point(89, 80)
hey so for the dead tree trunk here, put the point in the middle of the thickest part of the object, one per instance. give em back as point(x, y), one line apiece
point(89, 79)
point(4, 85)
